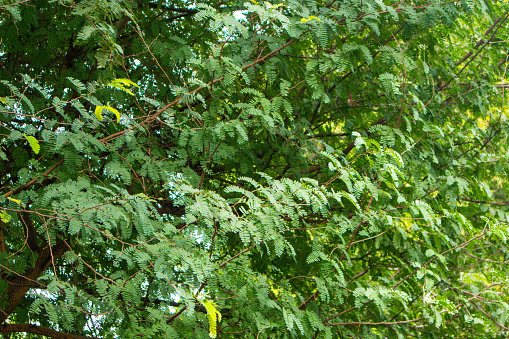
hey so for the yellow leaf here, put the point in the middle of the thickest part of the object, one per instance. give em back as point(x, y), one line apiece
point(17, 201)
point(146, 197)
point(127, 90)
point(277, 6)
point(312, 17)
point(99, 109)
point(123, 84)
point(34, 143)
point(214, 317)
point(111, 109)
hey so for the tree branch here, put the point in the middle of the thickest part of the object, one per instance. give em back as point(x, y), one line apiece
point(377, 324)
point(33, 181)
point(501, 203)
point(17, 287)
point(500, 20)
point(173, 9)
point(47, 332)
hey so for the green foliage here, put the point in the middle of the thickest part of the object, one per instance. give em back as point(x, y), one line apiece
point(302, 169)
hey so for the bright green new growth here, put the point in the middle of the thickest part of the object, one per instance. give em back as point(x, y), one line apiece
point(298, 169)
point(214, 317)
point(34, 143)
point(123, 85)
point(99, 109)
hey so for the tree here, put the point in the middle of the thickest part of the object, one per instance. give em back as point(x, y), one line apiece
point(252, 169)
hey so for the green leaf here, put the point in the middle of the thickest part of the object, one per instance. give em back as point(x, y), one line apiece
point(33, 142)
point(4, 216)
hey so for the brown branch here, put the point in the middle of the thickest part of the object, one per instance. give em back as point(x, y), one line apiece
point(326, 135)
point(310, 298)
point(350, 243)
point(173, 9)
point(236, 256)
point(47, 332)
point(502, 203)
point(154, 116)
point(30, 232)
point(377, 324)
point(494, 24)
point(346, 311)
point(360, 274)
point(315, 294)
point(500, 20)
point(505, 262)
point(504, 85)
point(3, 248)
point(469, 54)
point(33, 181)
point(173, 317)
point(488, 316)
point(17, 287)
point(349, 148)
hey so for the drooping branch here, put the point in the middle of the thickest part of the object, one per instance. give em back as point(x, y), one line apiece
point(30, 232)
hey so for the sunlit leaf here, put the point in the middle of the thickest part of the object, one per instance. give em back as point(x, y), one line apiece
point(99, 109)
point(34, 143)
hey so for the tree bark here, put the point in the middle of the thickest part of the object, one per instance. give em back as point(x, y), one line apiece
point(47, 332)
point(18, 285)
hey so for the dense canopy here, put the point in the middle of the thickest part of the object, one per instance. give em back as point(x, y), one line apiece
point(303, 169)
